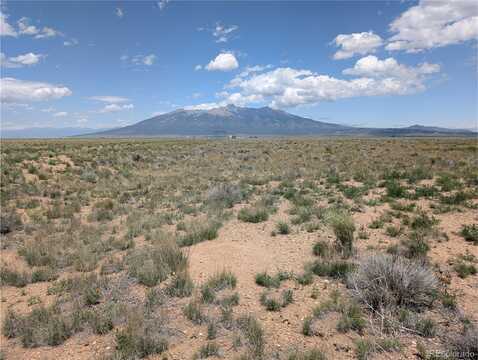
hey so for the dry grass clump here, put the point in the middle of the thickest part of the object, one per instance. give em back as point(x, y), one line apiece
point(254, 335)
point(465, 345)
point(313, 354)
point(198, 232)
point(9, 221)
point(253, 214)
point(151, 265)
point(384, 281)
point(43, 326)
point(140, 338)
point(224, 195)
point(470, 233)
point(343, 227)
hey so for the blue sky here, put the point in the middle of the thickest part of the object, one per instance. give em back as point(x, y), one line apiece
point(107, 64)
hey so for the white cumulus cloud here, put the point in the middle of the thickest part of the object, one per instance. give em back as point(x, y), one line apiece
point(110, 108)
point(356, 44)
point(162, 4)
point(119, 12)
point(25, 28)
point(287, 87)
point(110, 99)
point(147, 60)
point(371, 66)
point(222, 33)
point(433, 24)
point(14, 90)
point(5, 28)
point(223, 62)
point(60, 114)
point(20, 60)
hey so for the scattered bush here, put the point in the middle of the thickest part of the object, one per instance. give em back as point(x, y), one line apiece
point(352, 319)
point(152, 265)
point(139, 339)
point(13, 277)
point(207, 350)
point(181, 285)
point(426, 327)
point(466, 343)
point(254, 334)
point(322, 248)
point(386, 281)
point(470, 233)
point(253, 215)
point(199, 232)
point(194, 312)
point(42, 326)
point(337, 269)
point(313, 354)
point(282, 228)
point(224, 195)
point(9, 221)
point(465, 270)
point(266, 280)
point(395, 190)
point(344, 227)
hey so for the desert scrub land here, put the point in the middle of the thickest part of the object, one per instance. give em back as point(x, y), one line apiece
point(295, 249)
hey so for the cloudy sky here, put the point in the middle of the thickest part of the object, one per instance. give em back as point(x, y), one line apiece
point(100, 64)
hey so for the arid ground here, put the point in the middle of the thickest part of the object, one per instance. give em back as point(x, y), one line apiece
point(297, 249)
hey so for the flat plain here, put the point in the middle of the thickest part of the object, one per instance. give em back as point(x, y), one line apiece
point(297, 249)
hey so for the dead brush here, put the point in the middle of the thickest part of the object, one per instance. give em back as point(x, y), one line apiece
point(383, 281)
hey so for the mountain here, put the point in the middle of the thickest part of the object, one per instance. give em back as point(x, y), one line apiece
point(228, 120)
point(43, 133)
point(242, 121)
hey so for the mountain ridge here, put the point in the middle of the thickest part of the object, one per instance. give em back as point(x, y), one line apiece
point(264, 121)
point(233, 120)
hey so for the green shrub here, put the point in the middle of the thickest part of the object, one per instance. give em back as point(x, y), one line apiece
point(13, 278)
point(139, 339)
point(270, 303)
point(305, 278)
point(322, 248)
point(395, 190)
point(42, 326)
point(207, 350)
point(416, 246)
point(282, 228)
point(154, 264)
point(465, 270)
point(392, 231)
point(344, 227)
point(181, 285)
point(307, 326)
point(470, 233)
point(254, 334)
point(426, 327)
point(199, 232)
point(266, 280)
point(423, 222)
point(194, 312)
point(101, 321)
point(222, 280)
point(334, 268)
point(44, 274)
point(9, 221)
point(352, 319)
point(313, 354)
point(253, 215)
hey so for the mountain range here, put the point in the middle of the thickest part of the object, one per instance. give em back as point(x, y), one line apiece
point(243, 121)
point(264, 121)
